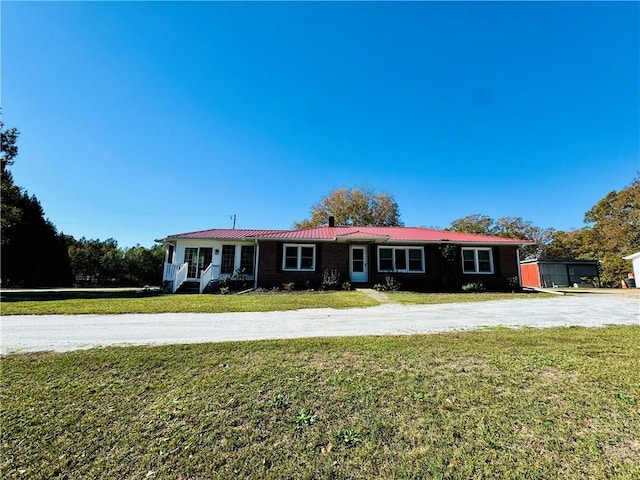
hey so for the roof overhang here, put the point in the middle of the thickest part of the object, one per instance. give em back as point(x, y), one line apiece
point(205, 239)
point(563, 261)
point(376, 239)
point(470, 243)
point(165, 240)
point(361, 238)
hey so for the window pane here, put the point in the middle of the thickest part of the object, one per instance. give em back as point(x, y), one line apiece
point(291, 257)
point(306, 260)
point(468, 261)
point(415, 254)
point(415, 259)
point(228, 259)
point(385, 253)
point(386, 265)
point(484, 267)
point(386, 259)
point(290, 262)
point(401, 259)
point(246, 259)
point(484, 261)
point(206, 256)
point(191, 257)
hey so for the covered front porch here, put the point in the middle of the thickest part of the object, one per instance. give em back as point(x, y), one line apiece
point(201, 264)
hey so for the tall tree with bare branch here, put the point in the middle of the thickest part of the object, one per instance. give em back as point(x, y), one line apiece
point(353, 207)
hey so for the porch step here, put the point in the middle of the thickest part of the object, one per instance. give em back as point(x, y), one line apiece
point(189, 287)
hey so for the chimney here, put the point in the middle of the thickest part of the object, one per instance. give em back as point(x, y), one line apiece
point(332, 221)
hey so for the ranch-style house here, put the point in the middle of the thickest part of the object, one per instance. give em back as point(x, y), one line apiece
point(421, 259)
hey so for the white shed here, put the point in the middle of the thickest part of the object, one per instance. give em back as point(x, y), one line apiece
point(635, 259)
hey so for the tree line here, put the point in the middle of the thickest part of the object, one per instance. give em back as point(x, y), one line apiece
point(35, 254)
point(102, 262)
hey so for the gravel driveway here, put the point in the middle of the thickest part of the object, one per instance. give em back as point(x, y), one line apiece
point(28, 333)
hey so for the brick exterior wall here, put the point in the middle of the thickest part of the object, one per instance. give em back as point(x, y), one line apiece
point(443, 269)
point(328, 256)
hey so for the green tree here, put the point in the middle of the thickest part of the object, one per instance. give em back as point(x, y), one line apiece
point(96, 262)
point(614, 231)
point(569, 245)
point(353, 207)
point(475, 223)
point(102, 262)
point(11, 194)
point(143, 266)
point(33, 253)
point(507, 227)
point(615, 220)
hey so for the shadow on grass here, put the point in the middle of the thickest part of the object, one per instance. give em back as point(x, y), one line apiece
point(48, 295)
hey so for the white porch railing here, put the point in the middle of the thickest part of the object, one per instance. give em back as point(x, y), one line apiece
point(177, 274)
point(205, 277)
point(180, 276)
point(170, 270)
point(212, 272)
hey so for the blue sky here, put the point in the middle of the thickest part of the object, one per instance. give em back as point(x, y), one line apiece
point(141, 119)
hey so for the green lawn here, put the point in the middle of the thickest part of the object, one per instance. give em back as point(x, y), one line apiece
point(137, 302)
point(499, 403)
point(115, 302)
point(433, 298)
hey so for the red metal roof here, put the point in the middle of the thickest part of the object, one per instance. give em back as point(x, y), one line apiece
point(224, 234)
point(390, 234)
point(379, 234)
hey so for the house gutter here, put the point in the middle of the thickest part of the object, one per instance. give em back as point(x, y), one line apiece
point(460, 243)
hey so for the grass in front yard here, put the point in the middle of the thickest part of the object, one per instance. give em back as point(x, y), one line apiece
point(115, 302)
point(434, 298)
point(53, 303)
point(548, 404)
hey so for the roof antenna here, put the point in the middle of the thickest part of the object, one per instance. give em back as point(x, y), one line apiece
point(233, 217)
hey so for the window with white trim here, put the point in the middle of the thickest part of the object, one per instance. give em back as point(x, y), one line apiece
point(477, 260)
point(228, 259)
point(401, 259)
point(247, 253)
point(299, 257)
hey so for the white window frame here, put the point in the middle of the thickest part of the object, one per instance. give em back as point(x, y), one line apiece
point(393, 258)
point(299, 247)
point(476, 261)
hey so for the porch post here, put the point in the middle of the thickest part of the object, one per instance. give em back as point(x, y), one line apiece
point(256, 261)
